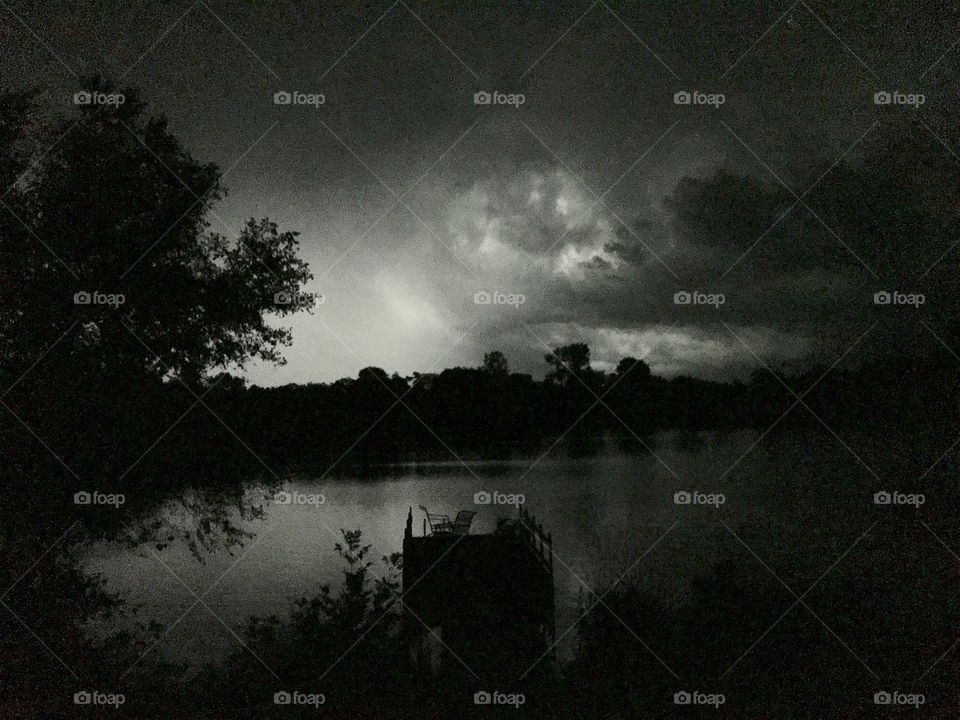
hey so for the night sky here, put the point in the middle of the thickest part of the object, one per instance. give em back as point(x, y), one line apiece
point(597, 199)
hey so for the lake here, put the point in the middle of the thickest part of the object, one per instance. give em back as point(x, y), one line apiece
point(797, 500)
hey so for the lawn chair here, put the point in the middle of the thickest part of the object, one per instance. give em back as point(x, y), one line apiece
point(439, 524)
point(461, 524)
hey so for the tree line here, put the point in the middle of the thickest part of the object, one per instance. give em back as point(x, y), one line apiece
point(490, 411)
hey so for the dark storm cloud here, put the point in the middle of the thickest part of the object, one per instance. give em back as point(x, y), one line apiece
point(597, 199)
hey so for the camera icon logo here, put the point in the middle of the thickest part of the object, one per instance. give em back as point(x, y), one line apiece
point(482, 698)
point(82, 498)
point(482, 498)
point(882, 498)
point(282, 698)
point(282, 97)
point(882, 298)
point(83, 97)
point(82, 298)
point(682, 698)
point(82, 698)
point(682, 498)
point(482, 98)
point(482, 297)
point(882, 698)
point(682, 97)
point(682, 298)
point(282, 498)
point(882, 97)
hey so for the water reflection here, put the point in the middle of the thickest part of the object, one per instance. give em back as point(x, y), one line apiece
point(610, 510)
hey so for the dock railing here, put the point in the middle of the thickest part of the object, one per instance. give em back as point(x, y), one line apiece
point(536, 538)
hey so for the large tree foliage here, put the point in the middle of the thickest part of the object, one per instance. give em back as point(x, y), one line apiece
point(117, 205)
point(121, 292)
point(101, 395)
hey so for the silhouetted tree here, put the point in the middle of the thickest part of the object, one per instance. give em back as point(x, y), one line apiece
point(566, 361)
point(495, 363)
point(638, 370)
point(117, 302)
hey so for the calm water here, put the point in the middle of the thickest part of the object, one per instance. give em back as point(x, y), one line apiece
point(795, 499)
